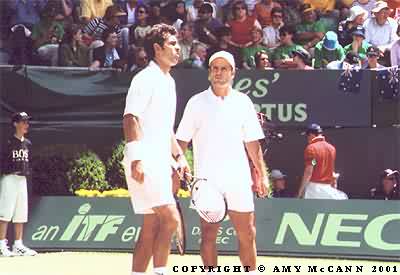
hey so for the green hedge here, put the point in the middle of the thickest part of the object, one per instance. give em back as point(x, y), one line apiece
point(87, 172)
point(49, 175)
point(114, 169)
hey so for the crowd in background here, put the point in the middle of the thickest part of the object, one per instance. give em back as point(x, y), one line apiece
point(262, 34)
point(386, 188)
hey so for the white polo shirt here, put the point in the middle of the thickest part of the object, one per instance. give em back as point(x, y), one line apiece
point(219, 128)
point(378, 35)
point(152, 98)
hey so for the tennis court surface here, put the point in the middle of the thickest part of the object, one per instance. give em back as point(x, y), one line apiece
point(91, 263)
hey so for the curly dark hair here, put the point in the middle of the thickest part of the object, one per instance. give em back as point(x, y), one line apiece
point(158, 35)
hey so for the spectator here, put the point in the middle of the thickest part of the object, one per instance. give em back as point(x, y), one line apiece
point(72, 52)
point(104, 56)
point(373, 55)
point(311, 30)
point(93, 31)
point(359, 45)
point(319, 166)
point(20, 45)
point(388, 187)
point(395, 53)
point(46, 36)
point(302, 59)
point(380, 30)
point(26, 13)
point(328, 50)
point(271, 33)
point(141, 60)
point(177, 14)
point(327, 12)
point(154, 13)
point(261, 59)
point(356, 18)
point(205, 26)
point(129, 7)
point(292, 15)
point(279, 188)
point(351, 60)
point(241, 25)
point(91, 9)
point(141, 28)
point(394, 6)
point(193, 10)
point(185, 40)
point(263, 11)
point(62, 9)
point(249, 52)
point(224, 38)
point(197, 57)
point(282, 57)
point(367, 5)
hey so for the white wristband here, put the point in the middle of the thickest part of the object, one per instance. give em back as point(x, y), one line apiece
point(134, 151)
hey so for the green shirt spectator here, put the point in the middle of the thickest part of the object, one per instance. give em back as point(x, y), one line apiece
point(362, 51)
point(328, 50)
point(359, 45)
point(248, 54)
point(285, 52)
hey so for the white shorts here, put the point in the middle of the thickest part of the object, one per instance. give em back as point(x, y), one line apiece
point(239, 197)
point(316, 190)
point(13, 199)
point(154, 191)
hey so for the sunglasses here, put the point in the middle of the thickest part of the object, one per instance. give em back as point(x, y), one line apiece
point(141, 11)
point(239, 8)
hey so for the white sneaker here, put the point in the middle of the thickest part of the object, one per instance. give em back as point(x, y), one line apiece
point(5, 251)
point(23, 251)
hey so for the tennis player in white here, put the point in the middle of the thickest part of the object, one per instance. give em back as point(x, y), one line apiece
point(148, 128)
point(223, 124)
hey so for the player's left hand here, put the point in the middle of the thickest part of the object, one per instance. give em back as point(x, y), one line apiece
point(262, 187)
point(260, 184)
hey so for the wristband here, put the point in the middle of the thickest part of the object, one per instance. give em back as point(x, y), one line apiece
point(134, 151)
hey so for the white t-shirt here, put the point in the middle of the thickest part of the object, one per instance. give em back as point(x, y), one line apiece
point(152, 98)
point(219, 128)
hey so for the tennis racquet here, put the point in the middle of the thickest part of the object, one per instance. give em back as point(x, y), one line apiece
point(179, 237)
point(209, 203)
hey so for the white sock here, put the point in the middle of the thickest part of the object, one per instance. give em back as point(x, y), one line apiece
point(160, 270)
point(18, 243)
point(138, 273)
point(3, 242)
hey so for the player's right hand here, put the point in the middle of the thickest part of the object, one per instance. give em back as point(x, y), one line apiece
point(137, 171)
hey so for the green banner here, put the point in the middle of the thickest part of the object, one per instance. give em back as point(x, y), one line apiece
point(353, 228)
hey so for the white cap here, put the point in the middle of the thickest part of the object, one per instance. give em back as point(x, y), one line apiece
point(356, 11)
point(225, 55)
point(277, 174)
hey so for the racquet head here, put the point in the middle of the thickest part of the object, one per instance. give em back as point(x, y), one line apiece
point(209, 203)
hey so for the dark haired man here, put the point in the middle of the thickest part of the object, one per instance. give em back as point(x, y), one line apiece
point(150, 144)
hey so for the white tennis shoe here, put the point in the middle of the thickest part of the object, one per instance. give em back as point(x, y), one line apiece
point(22, 250)
point(5, 251)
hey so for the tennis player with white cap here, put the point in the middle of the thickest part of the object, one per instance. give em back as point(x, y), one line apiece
point(223, 124)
